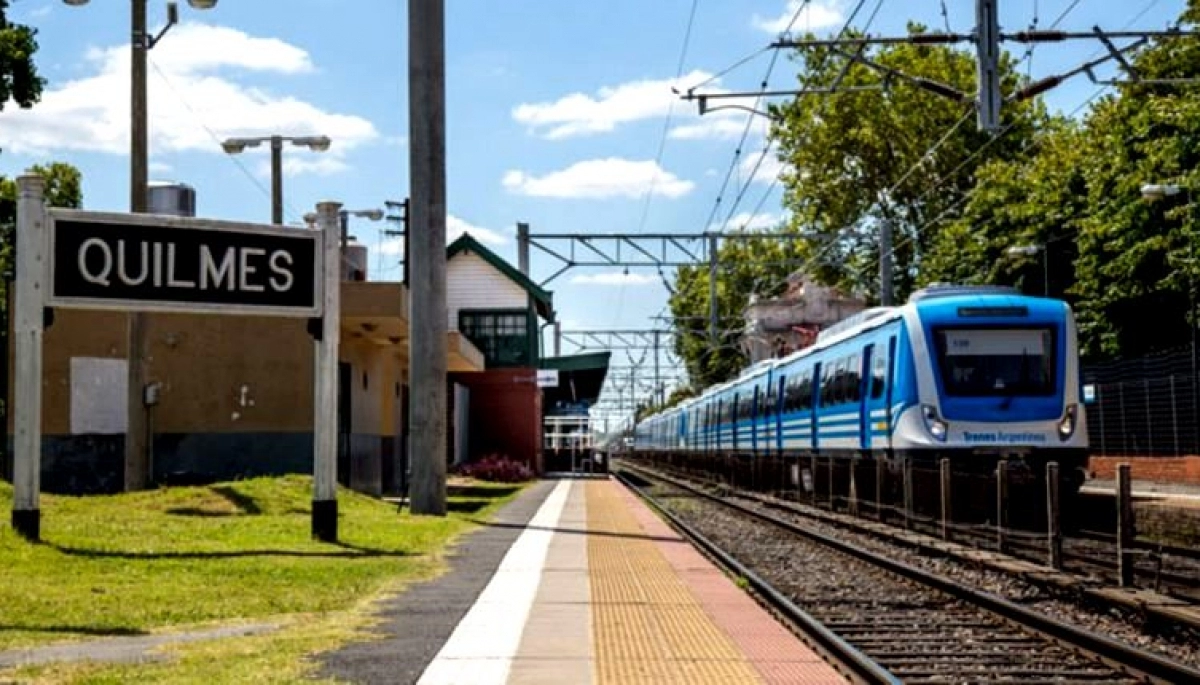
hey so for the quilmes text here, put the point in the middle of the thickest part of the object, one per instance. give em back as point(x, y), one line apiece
point(184, 264)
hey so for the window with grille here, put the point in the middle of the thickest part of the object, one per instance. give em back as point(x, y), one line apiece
point(502, 336)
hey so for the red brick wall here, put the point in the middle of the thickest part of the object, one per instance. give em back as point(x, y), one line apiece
point(506, 414)
point(1159, 469)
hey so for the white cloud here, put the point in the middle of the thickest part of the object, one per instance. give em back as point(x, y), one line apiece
point(745, 221)
point(614, 278)
point(768, 169)
point(724, 125)
point(41, 12)
point(580, 114)
point(193, 66)
point(817, 14)
point(600, 178)
point(455, 227)
point(160, 168)
point(304, 161)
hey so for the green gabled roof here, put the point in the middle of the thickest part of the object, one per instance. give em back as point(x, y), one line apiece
point(542, 298)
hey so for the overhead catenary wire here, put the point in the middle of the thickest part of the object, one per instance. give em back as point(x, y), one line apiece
point(662, 143)
point(939, 182)
point(291, 211)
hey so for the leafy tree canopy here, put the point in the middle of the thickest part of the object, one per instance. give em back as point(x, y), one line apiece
point(862, 155)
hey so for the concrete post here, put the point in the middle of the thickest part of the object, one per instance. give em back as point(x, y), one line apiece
point(1125, 524)
point(27, 407)
point(427, 322)
point(325, 376)
point(1053, 524)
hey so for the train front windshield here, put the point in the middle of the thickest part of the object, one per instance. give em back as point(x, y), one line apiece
point(977, 362)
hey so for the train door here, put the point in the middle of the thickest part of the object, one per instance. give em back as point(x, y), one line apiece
point(815, 403)
point(754, 412)
point(864, 397)
point(889, 384)
point(777, 423)
point(718, 424)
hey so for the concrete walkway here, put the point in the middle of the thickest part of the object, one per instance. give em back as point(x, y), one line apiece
point(136, 649)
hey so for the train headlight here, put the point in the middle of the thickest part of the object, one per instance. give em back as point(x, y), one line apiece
point(1066, 427)
point(933, 424)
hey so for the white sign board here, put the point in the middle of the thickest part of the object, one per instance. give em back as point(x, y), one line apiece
point(1089, 393)
point(547, 378)
point(98, 404)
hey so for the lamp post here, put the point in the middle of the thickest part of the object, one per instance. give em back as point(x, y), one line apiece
point(1029, 251)
point(137, 464)
point(234, 146)
point(344, 216)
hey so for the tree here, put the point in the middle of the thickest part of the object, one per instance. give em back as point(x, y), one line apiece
point(19, 79)
point(1035, 199)
point(747, 267)
point(897, 153)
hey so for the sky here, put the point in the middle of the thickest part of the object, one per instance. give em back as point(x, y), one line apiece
point(559, 113)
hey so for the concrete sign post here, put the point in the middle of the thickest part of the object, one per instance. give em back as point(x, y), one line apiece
point(27, 328)
point(324, 506)
point(139, 262)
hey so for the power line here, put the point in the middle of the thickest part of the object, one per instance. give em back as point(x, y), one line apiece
point(293, 214)
point(662, 143)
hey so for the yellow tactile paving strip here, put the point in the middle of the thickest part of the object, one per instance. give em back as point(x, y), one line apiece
point(647, 625)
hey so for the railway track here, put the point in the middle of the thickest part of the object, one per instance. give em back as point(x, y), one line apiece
point(1168, 569)
point(914, 625)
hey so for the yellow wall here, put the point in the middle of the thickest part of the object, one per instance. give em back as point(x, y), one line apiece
point(203, 364)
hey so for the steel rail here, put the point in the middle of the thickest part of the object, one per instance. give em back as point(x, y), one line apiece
point(1109, 651)
point(836, 648)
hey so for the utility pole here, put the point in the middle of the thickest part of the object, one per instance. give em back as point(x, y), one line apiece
point(657, 380)
point(402, 218)
point(523, 248)
point(886, 278)
point(712, 291)
point(987, 50)
point(427, 320)
point(137, 457)
point(277, 180)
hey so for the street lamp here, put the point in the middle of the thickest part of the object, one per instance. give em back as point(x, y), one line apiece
point(137, 459)
point(234, 146)
point(1029, 251)
point(344, 215)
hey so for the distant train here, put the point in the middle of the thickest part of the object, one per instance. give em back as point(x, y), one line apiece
point(969, 373)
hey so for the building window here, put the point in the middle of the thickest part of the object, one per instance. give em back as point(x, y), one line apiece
point(502, 336)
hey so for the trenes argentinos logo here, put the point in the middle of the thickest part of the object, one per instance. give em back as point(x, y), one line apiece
point(1003, 437)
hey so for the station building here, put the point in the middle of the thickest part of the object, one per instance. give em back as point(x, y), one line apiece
point(233, 395)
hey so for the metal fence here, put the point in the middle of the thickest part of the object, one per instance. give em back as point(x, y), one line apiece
point(1144, 407)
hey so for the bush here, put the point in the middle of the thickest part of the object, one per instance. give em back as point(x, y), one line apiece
point(497, 468)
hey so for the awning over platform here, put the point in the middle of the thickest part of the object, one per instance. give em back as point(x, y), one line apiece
point(580, 378)
point(377, 312)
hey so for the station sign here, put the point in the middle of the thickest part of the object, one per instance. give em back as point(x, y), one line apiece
point(547, 378)
point(165, 263)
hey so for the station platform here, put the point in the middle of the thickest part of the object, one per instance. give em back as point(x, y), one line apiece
point(596, 588)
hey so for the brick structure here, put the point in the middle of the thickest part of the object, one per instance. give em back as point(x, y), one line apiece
point(1158, 469)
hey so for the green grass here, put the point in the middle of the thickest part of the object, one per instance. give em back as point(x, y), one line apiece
point(178, 557)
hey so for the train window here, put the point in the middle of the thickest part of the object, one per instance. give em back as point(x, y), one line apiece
point(827, 384)
point(805, 389)
point(854, 379)
point(796, 398)
point(878, 375)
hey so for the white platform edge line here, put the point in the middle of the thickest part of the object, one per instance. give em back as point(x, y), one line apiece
point(485, 642)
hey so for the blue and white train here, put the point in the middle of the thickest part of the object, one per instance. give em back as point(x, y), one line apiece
point(970, 373)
